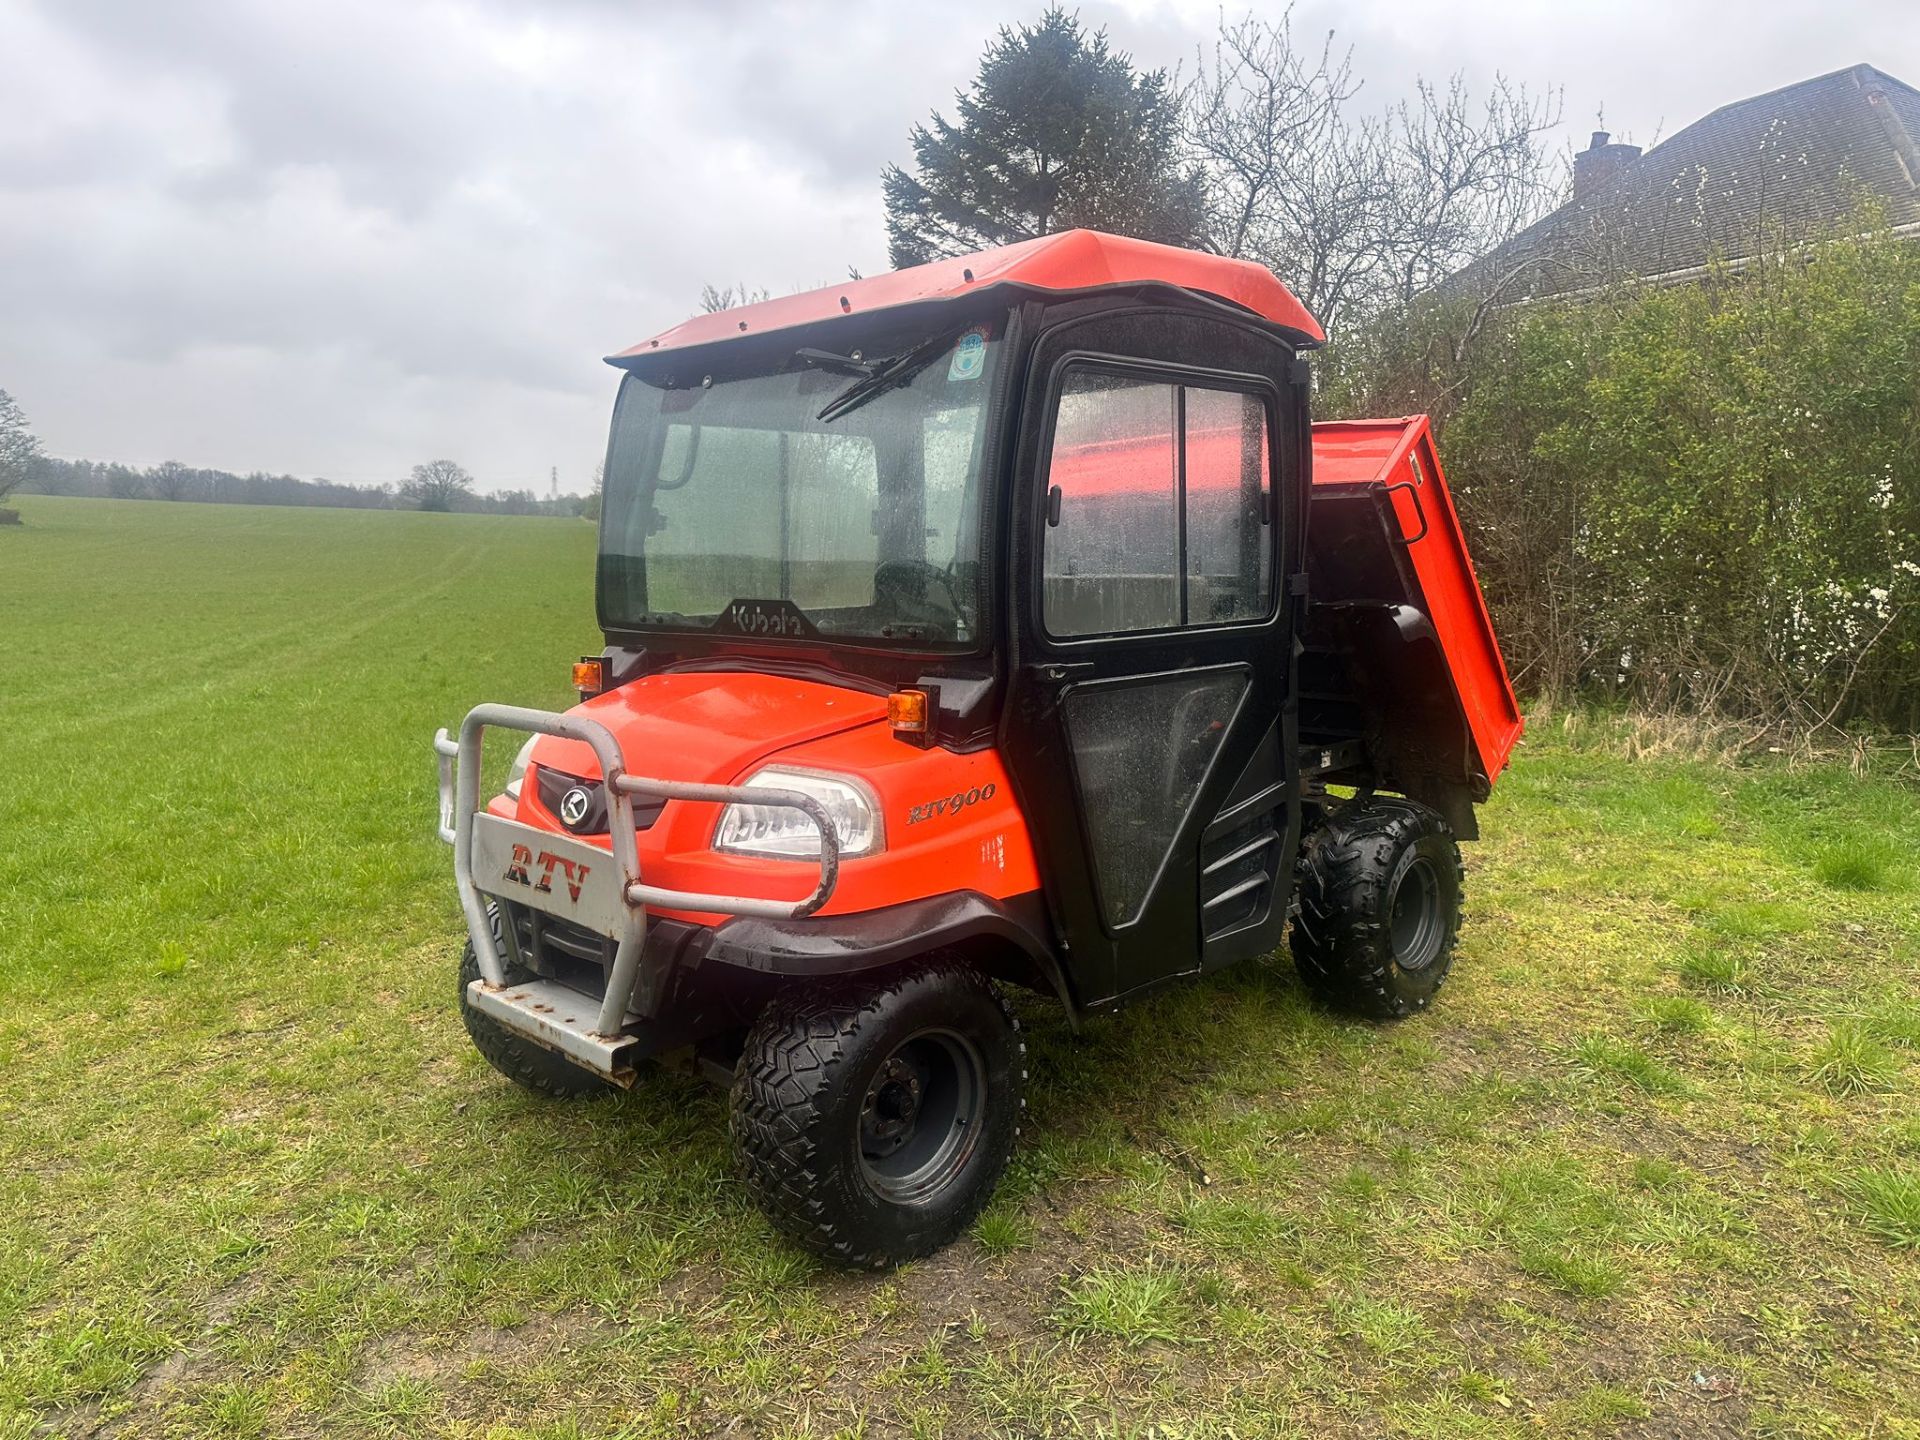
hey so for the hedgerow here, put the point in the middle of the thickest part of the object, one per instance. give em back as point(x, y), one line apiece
point(1703, 495)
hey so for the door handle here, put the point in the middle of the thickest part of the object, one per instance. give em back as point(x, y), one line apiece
point(1058, 670)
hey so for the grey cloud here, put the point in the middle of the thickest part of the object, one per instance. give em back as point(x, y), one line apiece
point(382, 95)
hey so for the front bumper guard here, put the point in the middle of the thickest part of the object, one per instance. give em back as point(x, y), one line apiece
point(581, 883)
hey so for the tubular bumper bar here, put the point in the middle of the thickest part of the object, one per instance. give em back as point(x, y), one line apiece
point(569, 878)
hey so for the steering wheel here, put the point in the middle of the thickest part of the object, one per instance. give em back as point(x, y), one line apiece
point(890, 577)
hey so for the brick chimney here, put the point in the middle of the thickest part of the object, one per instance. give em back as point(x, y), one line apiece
point(1597, 165)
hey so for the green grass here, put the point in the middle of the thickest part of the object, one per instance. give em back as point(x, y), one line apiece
point(253, 1181)
point(1134, 1306)
point(1678, 1014)
point(1850, 1061)
point(999, 1231)
point(1890, 1202)
point(1859, 862)
point(1712, 969)
point(1606, 1055)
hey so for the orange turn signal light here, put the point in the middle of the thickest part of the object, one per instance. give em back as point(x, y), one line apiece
point(590, 675)
point(907, 712)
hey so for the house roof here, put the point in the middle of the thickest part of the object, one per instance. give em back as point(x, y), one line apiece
point(1071, 261)
point(1791, 160)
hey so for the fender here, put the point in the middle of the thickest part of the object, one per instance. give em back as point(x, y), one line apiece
point(826, 945)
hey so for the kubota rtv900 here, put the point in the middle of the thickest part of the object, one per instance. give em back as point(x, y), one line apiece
point(998, 621)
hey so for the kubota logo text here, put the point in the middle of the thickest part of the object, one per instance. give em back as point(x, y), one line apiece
point(524, 859)
point(763, 617)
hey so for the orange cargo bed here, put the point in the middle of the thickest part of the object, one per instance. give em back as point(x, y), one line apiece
point(1392, 582)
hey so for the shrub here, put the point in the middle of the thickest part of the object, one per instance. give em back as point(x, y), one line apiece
point(1703, 495)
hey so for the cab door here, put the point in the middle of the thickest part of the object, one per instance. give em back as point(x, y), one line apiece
point(1150, 702)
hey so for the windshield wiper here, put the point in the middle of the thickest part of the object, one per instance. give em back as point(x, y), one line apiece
point(834, 360)
point(884, 375)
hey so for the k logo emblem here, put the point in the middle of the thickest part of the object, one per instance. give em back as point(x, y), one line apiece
point(574, 806)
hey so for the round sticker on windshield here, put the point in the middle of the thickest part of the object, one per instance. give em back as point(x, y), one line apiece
point(969, 356)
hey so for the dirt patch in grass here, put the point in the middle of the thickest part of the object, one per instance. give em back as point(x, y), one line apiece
point(409, 1355)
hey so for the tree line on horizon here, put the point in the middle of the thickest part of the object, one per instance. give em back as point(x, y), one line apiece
point(437, 485)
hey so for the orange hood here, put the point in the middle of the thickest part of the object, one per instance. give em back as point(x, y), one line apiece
point(709, 726)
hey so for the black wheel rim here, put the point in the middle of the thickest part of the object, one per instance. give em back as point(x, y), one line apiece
point(1414, 924)
point(920, 1118)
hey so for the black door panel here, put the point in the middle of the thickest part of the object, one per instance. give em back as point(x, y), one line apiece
point(1141, 748)
point(1149, 756)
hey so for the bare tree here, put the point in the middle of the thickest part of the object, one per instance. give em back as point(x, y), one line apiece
point(437, 484)
point(713, 298)
point(1464, 178)
point(1254, 119)
point(18, 447)
point(1356, 212)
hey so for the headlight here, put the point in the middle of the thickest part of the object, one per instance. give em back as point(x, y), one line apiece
point(519, 770)
point(782, 831)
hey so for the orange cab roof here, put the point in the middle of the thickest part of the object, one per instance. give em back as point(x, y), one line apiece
point(1072, 260)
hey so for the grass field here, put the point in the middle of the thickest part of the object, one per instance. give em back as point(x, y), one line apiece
point(1652, 1167)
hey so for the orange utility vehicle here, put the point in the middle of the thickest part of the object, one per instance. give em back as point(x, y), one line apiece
point(998, 621)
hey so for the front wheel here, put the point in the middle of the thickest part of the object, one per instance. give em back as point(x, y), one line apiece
point(871, 1121)
point(1380, 886)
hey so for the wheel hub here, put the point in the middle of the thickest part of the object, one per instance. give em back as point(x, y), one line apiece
point(918, 1127)
point(891, 1109)
point(1416, 925)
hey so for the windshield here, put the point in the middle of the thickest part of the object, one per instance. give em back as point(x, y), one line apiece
point(733, 506)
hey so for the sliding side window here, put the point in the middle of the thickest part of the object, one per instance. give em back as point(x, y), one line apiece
point(1159, 497)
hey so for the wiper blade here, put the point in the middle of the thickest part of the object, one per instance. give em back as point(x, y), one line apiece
point(886, 375)
point(834, 360)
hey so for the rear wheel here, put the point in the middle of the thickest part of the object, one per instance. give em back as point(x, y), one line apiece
point(872, 1121)
point(530, 1066)
point(1380, 890)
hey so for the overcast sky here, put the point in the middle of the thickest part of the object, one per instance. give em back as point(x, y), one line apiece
point(339, 238)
